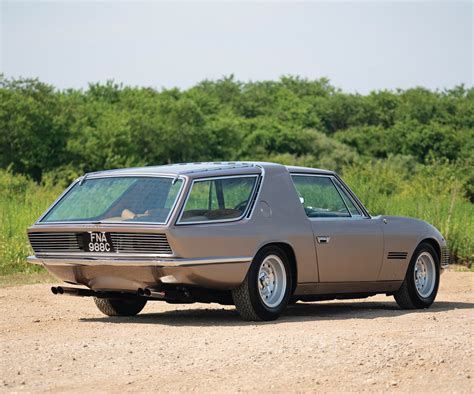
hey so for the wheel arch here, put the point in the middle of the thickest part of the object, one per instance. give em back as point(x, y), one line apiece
point(434, 243)
point(290, 253)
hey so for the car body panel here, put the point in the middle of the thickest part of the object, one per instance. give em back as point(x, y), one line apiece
point(403, 235)
point(353, 251)
point(218, 255)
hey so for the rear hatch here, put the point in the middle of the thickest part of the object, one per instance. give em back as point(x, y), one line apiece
point(107, 216)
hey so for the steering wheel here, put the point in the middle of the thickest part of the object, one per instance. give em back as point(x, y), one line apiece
point(241, 205)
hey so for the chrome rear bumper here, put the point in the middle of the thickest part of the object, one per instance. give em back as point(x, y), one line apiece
point(100, 274)
point(136, 262)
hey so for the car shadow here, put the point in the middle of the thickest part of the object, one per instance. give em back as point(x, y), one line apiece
point(296, 313)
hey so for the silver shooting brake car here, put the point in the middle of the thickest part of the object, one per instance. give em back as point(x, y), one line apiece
point(257, 235)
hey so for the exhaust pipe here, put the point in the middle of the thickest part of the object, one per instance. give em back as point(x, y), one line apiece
point(74, 291)
point(154, 294)
point(78, 292)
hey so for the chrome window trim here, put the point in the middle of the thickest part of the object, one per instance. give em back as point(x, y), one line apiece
point(178, 221)
point(38, 222)
point(331, 177)
point(259, 191)
point(342, 198)
point(351, 218)
point(340, 189)
point(365, 212)
point(99, 176)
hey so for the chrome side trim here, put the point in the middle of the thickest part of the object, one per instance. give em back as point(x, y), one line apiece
point(138, 262)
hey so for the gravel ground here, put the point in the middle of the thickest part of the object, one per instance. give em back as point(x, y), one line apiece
point(60, 343)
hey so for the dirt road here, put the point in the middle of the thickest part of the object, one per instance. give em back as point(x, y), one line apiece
point(51, 343)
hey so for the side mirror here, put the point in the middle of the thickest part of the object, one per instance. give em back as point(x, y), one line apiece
point(301, 200)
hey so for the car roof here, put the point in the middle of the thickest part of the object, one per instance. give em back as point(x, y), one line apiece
point(299, 170)
point(206, 169)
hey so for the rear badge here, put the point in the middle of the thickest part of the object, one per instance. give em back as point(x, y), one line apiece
point(97, 242)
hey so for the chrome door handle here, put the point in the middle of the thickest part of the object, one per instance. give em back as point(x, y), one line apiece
point(323, 240)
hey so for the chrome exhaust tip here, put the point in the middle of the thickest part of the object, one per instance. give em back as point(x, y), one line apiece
point(153, 293)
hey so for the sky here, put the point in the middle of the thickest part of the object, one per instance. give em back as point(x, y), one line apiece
point(359, 46)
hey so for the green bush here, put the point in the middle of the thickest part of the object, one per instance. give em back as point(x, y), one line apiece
point(405, 152)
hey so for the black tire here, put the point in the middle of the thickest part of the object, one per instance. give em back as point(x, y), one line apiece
point(407, 297)
point(293, 301)
point(120, 307)
point(247, 297)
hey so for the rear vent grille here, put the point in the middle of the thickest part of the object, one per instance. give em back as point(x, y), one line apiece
point(397, 255)
point(140, 243)
point(54, 242)
point(65, 243)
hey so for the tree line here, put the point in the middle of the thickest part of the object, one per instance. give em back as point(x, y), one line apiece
point(48, 133)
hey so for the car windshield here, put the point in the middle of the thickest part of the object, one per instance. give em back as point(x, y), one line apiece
point(117, 199)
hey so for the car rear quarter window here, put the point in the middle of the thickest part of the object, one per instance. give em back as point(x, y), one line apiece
point(319, 196)
point(218, 199)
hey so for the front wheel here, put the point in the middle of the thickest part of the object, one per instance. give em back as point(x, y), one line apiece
point(421, 282)
point(266, 290)
point(120, 307)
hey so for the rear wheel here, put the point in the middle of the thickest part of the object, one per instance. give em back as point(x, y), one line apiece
point(120, 307)
point(265, 292)
point(421, 282)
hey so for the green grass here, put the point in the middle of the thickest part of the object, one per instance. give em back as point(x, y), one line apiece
point(21, 202)
point(430, 193)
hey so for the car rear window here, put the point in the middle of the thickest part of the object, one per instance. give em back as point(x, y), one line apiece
point(218, 199)
point(117, 199)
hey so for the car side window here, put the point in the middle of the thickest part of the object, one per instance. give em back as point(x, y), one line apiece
point(320, 197)
point(218, 199)
point(350, 205)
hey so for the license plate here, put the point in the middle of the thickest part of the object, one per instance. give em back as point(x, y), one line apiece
point(97, 242)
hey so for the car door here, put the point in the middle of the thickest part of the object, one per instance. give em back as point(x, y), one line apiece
point(349, 245)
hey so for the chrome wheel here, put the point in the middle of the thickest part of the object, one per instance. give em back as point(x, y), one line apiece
point(425, 274)
point(272, 281)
